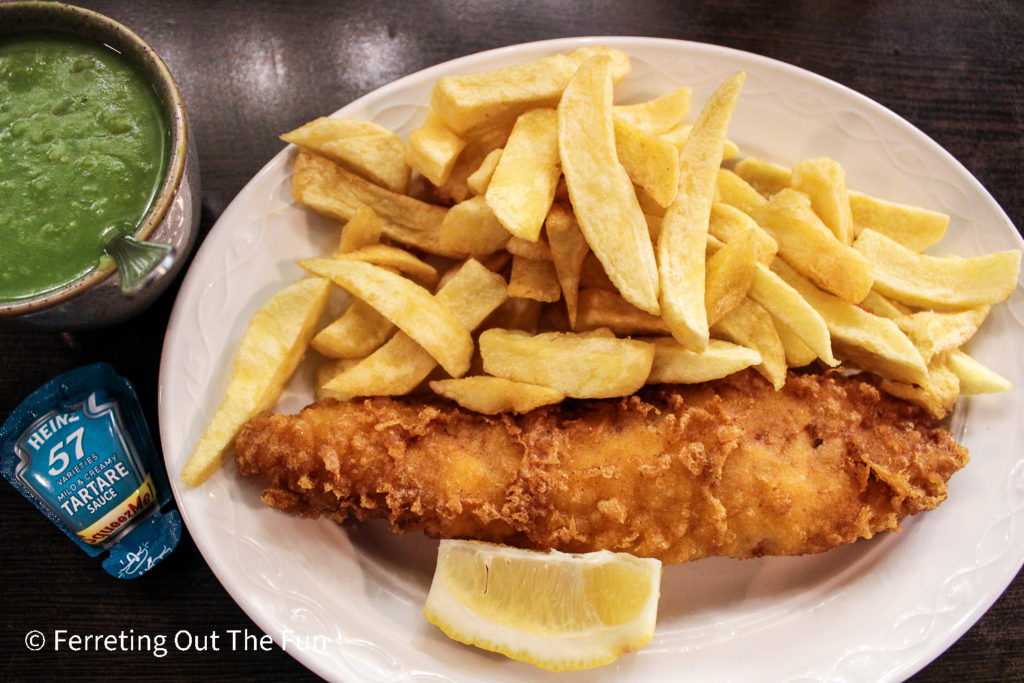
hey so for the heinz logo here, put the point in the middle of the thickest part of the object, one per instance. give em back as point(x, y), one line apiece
point(49, 428)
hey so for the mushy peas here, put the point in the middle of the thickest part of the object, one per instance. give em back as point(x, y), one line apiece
point(83, 149)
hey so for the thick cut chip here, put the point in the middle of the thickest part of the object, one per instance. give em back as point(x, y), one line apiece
point(324, 130)
point(487, 100)
point(325, 371)
point(401, 364)
point(601, 192)
point(472, 227)
point(735, 191)
point(534, 279)
point(730, 272)
point(568, 249)
point(351, 193)
point(580, 366)
point(621, 65)
point(974, 377)
point(468, 102)
point(271, 347)
point(789, 308)
point(328, 189)
point(680, 134)
point(766, 177)
point(824, 181)
point(457, 188)
point(522, 187)
point(603, 308)
point(362, 230)
point(727, 222)
point(650, 162)
point(912, 226)
point(676, 364)
point(433, 149)
point(936, 332)
point(750, 325)
point(479, 179)
point(494, 395)
point(810, 247)
point(881, 306)
point(368, 149)
point(413, 309)
point(798, 353)
point(938, 282)
point(872, 342)
point(659, 115)
point(396, 259)
point(358, 332)
point(539, 250)
point(397, 367)
point(684, 229)
point(937, 394)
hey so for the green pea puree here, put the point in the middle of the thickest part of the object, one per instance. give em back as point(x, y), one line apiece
point(83, 149)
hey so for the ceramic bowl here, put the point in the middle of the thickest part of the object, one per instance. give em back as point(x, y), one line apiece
point(96, 299)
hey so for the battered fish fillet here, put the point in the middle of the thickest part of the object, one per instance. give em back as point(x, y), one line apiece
point(729, 468)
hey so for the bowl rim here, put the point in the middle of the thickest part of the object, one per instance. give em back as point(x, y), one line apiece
point(33, 15)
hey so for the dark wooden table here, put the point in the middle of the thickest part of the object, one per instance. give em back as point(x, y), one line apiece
point(252, 69)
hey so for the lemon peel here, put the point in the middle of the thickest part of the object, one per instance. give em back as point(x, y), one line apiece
point(558, 611)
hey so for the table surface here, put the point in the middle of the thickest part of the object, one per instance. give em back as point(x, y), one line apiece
point(250, 70)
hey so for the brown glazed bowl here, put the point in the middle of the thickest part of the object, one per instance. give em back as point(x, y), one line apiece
point(96, 300)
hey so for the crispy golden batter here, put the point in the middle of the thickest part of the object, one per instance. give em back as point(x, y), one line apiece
point(729, 468)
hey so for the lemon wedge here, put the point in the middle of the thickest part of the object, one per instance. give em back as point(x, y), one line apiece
point(558, 611)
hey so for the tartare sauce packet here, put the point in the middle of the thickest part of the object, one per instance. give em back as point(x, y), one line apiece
point(80, 450)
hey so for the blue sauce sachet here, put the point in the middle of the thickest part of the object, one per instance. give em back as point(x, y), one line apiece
point(79, 449)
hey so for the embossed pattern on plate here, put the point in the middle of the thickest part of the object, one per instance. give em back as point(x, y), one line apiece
point(347, 602)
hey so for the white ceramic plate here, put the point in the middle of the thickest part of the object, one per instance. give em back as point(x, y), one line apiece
point(347, 602)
